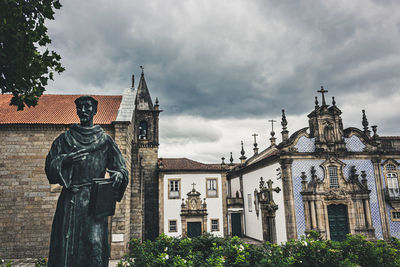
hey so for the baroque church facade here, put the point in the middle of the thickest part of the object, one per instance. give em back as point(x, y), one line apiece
point(322, 177)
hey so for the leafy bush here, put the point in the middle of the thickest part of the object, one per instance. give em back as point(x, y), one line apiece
point(312, 250)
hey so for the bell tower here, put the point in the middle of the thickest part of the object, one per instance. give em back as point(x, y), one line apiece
point(144, 157)
point(326, 126)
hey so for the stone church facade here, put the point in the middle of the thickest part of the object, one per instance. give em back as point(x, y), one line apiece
point(322, 177)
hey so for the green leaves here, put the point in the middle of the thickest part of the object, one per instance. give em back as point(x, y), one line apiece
point(312, 250)
point(24, 68)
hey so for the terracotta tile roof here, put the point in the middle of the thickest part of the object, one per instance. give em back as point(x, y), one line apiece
point(57, 109)
point(186, 164)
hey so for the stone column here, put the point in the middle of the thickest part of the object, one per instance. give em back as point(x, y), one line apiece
point(313, 216)
point(307, 214)
point(288, 198)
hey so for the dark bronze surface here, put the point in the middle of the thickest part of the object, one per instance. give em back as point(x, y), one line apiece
point(76, 157)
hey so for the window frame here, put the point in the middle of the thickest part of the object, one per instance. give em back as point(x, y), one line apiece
point(211, 225)
point(390, 167)
point(179, 188)
point(216, 187)
point(392, 216)
point(332, 178)
point(169, 226)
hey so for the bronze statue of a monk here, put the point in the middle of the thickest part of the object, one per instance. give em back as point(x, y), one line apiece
point(76, 157)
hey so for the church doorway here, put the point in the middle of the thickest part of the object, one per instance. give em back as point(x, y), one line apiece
point(193, 229)
point(236, 224)
point(338, 223)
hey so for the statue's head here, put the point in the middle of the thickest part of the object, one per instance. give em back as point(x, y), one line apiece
point(86, 108)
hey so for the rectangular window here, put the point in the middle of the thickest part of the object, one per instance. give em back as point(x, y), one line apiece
point(395, 215)
point(214, 225)
point(333, 177)
point(393, 185)
point(174, 187)
point(172, 226)
point(212, 187)
point(250, 205)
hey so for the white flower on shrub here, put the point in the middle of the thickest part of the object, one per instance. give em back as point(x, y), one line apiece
point(241, 248)
point(166, 257)
point(166, 249)
point(125, 263)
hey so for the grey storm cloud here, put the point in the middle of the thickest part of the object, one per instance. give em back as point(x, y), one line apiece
point(224, 59)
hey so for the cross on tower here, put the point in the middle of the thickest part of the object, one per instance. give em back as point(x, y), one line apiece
point(193, 186)
point(322, 91)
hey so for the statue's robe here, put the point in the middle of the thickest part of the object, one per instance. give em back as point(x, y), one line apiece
point(77, 238)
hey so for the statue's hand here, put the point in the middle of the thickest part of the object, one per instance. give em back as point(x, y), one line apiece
point(75, 157)
point(118, 178)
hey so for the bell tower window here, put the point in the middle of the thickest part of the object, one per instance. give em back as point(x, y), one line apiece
point(143, 130)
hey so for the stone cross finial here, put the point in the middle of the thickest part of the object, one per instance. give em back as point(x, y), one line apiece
point(255, 149)
point(322, 91)
point(193, 186)
point(272, 123)
point(269, 190)
point(255, 140)
point(272, 139)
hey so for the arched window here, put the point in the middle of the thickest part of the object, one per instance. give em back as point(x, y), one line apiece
point(390, 167)
point(143, 130)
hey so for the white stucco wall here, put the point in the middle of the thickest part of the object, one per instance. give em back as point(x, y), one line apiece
point(172, 207)
point(253, 224)
point(235, 186)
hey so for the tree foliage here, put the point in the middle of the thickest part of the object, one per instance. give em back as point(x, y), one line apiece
point(26, 64)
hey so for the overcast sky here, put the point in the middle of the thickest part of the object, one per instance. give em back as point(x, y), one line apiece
point(222, 69)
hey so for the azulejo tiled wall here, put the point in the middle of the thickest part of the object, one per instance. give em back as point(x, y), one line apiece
point(299, 166)
point(354, 144)
point(305, 144)
point(367, 166)
point(394, 226)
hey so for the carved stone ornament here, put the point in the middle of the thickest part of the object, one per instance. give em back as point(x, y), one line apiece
point(336, 194)
point(256, 202)
point(193, 204)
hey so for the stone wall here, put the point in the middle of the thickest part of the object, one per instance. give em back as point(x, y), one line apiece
point(121, 220)
point(27, 204)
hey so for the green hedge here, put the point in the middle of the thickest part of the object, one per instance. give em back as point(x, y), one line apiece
point(308, 251)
